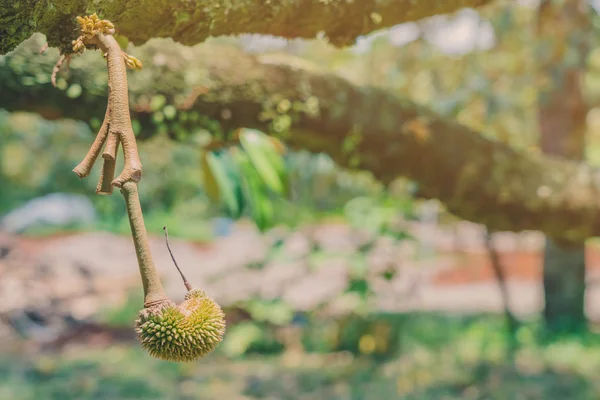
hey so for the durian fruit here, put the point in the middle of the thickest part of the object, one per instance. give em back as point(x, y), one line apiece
point(184, 332)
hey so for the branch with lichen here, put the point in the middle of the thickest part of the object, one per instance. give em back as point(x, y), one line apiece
point(166, 330)
point(193, 21)
point(491, 183)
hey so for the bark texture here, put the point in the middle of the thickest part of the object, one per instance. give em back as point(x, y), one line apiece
point(562, 119)
point(564, 287)
point(180, 91)
point(192, 21)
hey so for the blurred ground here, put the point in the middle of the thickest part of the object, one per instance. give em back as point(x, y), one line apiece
point(408, 351)
point(467, 362)
point(75, 276)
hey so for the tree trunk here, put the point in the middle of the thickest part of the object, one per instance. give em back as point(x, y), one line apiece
point(562, 133)
point(564, 287)
point(562, 120)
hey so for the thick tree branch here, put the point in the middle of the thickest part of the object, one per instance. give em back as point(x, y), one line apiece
point(192, 21)
point(361, 127)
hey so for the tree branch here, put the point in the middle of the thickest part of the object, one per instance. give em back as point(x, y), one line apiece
point(360, 127)
point(191, 22)
point(168, 331)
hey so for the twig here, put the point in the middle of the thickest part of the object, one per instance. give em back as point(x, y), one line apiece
point(511, 320)
point(188, 286)
point(110, 162)
point(56, 68)
point(105, 185)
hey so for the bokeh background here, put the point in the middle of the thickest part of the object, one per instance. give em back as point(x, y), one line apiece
point(349, 289)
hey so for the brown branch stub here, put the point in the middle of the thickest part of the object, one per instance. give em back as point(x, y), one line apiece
point(84, 168)
point(108, 167)
point(112, 145)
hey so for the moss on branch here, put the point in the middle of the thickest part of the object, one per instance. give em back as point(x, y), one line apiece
point(191, 22)
point(360, 127)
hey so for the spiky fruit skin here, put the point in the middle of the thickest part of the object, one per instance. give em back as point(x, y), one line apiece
point(184, 332)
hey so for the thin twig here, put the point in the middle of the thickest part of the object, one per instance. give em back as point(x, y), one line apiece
point(511, 320)
point(105, 185)
point(188, 286)
point(56, 68)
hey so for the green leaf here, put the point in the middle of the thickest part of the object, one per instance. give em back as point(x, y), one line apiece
point(266, 158)
point(240, 337)
point(359, 286)
point(211, 186)
point(260, 206)
point(223, 170)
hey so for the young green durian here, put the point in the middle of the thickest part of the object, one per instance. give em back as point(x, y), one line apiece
point(183, 332)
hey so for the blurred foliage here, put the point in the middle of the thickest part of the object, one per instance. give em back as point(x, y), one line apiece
point(29, 169)
point(438, 357)
point(491, 88)
point(258, 178)
point(173, 193)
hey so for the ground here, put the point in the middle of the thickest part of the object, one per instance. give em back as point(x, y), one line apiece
point(435, 355)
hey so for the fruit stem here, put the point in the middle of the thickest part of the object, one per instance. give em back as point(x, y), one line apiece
point(153, 289)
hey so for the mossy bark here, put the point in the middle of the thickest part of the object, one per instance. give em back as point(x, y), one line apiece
point(191, 22)
point(366, 128)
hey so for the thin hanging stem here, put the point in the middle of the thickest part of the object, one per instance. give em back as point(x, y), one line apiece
point(153, 289)
point(188, 286)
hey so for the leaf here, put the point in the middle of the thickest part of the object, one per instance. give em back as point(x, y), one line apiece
point(211, 186)
point(276, 312)
point(240, 337)
point(266, 158)
point(227, 180)
point(359, 286)
point(260, 206)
